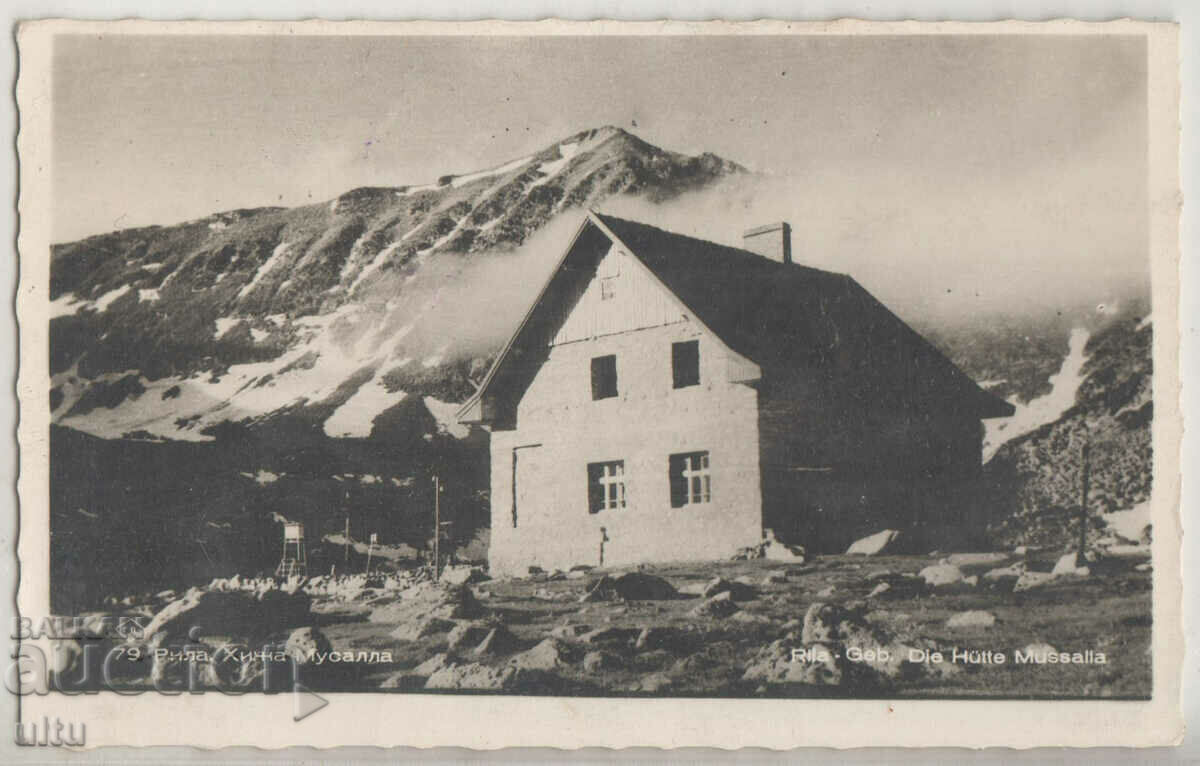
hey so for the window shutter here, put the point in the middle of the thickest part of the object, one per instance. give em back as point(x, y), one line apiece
point(685, 363)
point(595, 488)
point(679, 487)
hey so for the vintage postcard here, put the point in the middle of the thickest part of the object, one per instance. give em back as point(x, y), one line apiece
point(616, 384)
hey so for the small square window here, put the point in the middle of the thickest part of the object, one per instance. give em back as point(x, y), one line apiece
point(604, 376)
point(691, 480)
point(606, 486)
point(685, 363)
point(608, 288)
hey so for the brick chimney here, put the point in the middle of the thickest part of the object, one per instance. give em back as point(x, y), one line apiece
point(772, 241)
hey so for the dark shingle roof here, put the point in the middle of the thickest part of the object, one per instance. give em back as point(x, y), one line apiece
point(787, 316)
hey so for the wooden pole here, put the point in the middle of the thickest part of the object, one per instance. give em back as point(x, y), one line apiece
point(346, 545)
point(1081, 559)
point(437, 528)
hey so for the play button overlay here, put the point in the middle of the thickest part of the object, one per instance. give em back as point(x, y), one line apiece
point(307, 702)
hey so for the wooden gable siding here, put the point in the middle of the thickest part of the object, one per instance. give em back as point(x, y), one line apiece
point(635, 302)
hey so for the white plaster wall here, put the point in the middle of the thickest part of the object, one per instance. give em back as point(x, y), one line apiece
point(643, 425)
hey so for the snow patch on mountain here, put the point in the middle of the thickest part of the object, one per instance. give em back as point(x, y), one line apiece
point(276, 255)
point(1045, 409)
point(357, 415)
point(505, 168)
point(148, 295)
point(376, 262)
point(65, 305)
point(104, 301)
point(225, 324)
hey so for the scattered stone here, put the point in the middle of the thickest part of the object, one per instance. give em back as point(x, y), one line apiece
point(498, 641)
point(466, 634)
point(1004, 577)
point(657, 638)
point(474, 676)
point(610, 635)
point(1146, 567)
point(414, 631)
point(547, 655)
point(1068, 564)
point(941, 576)
point(975, 618)
point(738, 591)
point(1031, 580)
point(252, 617)
point(774, 665)
point(576, 574)
point(631, 586)
point(976, 559)
point(719, 606)
point(1020, 550)
point(777, 550)
point(427, 600)
point(973, 581)
point(875, 544)
point(827, 592)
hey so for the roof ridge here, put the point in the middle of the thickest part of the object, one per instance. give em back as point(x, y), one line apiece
point(741, 251)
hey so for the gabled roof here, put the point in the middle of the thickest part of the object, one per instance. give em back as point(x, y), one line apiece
point(779, 316)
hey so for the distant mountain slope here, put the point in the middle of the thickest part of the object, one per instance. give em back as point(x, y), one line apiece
point(1035, 478)
point(336, 311)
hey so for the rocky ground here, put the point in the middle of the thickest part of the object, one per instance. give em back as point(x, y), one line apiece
point(847, 625)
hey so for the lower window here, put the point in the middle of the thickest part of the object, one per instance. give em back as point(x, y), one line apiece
point(691, 482)
point(606, 485)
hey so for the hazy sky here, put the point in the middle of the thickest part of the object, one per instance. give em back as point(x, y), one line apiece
point(1024, 148)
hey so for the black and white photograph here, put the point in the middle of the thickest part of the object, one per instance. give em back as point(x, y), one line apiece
point(721, 366)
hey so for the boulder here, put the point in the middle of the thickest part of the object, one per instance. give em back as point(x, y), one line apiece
point(428, 600)
point(477, 677)
point(1068, 564)
point(738, 591)
point(230, 613)
point(547, 655)
point(875, 544)
point(631, 586)
point(466, 634)
point(719, 606)
point(776, 550)
point(941, 576)
point(1031, 580)
point(975, 618)
point(498, 641)
point(774, 665)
